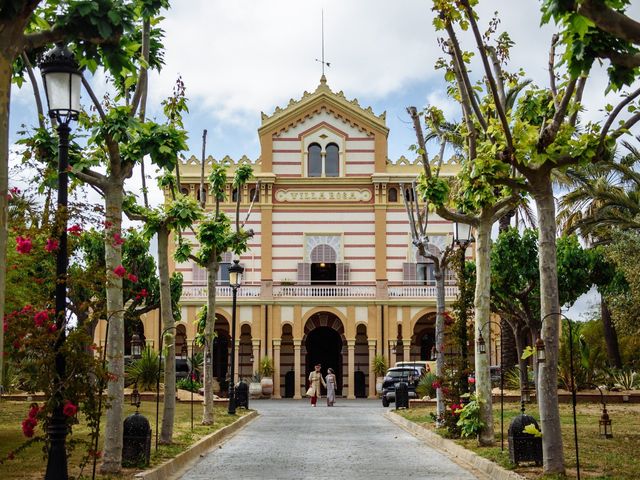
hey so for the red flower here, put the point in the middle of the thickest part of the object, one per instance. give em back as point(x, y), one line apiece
point(435, 384)
point(108, 224)
point(16, 344)
point(132, 278)
point(23, 245)
point(472, 380)
point(51, 245)
point(120, 271)
point(41, 317)
point(53, 328)
point(142, 293)
point(117, 239)
point(15, 191)
point(28, 424)
point(27, 308)
point(69, 409)
point(5, 325)
point(33, 411)
point(75, 230)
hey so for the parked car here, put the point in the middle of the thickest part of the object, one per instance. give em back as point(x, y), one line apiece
point(410, 375)
point(429, 366)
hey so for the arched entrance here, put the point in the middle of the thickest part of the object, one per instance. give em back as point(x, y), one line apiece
point(423, 340)
point(220, 351)
point(324, 339)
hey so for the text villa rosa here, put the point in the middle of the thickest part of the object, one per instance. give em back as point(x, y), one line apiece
point(323, 195)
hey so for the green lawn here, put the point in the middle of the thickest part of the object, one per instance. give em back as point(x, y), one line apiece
point(605, 459)
point(30, 464)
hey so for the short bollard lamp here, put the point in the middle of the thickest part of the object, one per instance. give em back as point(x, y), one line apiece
point(136, 346)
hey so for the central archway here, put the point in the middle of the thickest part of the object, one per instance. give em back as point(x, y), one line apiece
point(323, 343)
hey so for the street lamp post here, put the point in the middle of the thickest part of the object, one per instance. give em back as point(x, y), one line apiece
point(62, 79)
point(235, 280)
point(542, 356)
point(482, 349)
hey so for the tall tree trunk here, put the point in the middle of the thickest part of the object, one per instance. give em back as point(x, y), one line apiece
point(552, 450)
point(482, 318)
point(509, 346)
point(169, 404)
point(5, 101)
point(440, 305)
point(610, 334)
point(522, 363)
point(210, 332)
point(115, 342)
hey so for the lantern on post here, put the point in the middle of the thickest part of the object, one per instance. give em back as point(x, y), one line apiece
point(462, 234)
point(136, 399)
point(482, 345)
point(540, 352)
point(605, 424)
point(235, 280)
point(136, 346)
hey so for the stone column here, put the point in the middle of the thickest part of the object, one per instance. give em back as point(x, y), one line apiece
point(371, 375)
point(351, 358)
point(236, 375)
point(255, 344)
point(406, 344)
point(392, 355)
point(297, 344)
point(276, 368)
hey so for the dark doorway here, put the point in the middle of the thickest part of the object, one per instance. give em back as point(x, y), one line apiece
point(324, 346)
point(427, 342)
point(360, 390)
point(323, 273)
point(289, 384)
point(221, 359)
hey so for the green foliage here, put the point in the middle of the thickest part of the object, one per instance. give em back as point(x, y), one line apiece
point(532, 430)
point(625, 378)
point(266, 366)
point(379, 365)
point(469, 422)
point(217, 181)
point(145, 370)
point(425, 385)
point(189, 385)
point(433, 190)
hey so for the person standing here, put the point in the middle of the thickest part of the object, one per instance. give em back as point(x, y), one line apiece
point(331, 387)
point(315, 378)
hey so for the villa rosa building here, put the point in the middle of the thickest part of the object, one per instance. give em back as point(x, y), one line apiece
point(331, 275)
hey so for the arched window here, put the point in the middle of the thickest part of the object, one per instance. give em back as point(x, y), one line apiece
point(234, 195)
point(332, 161)
point(184, 190)
point(314, 160)
point(252, 193)
point(392, 195)
point(408, 194)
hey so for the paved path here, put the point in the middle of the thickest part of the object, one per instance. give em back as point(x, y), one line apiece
point(292, 440)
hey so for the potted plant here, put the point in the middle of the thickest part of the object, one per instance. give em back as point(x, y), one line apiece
point(266, 370)
point(379, 369)
point(255, 389)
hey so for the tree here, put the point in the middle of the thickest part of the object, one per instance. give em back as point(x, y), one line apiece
point(542, 135)
point(26, 27)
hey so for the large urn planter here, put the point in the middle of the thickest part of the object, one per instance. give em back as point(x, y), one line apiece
point(255, 389)
point(379, 382)
point(267, 386)
point(379, 370)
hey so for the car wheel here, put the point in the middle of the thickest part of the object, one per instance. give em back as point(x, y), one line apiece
point(385, 402)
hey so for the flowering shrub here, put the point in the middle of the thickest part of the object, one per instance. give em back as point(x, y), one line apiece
point(120, 271)
point(75, 230)
point(23, 245)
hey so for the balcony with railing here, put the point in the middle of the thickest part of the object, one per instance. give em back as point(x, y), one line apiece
point(199, 292)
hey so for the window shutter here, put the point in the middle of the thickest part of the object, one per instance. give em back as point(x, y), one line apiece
point(198, 275)
point(304, 273)
point(409, 273)
point(343, 271)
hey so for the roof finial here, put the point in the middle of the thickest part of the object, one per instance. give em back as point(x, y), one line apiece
point(323, 79)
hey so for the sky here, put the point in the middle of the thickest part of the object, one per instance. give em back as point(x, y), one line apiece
point(243, 57)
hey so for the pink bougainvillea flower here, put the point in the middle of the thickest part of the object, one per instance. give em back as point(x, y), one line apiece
point(16, 344)
point(132, 278)
point(23, 245)
point(120, 271)
point(142, 294)
point(75, 230)
point(33, 411)
point(472, 380)
point(435, 384)
point(41, 317)
point(51, 245)
point(69, 409)
point(108, 224)
point(28, 424)
point(53, 328)
point(27, 308)
point(117, 239)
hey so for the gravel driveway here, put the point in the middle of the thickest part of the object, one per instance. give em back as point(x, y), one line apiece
point(292, 440)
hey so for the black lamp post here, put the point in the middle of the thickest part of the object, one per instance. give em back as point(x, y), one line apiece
point(542, 357)
point(235, 280)
point(482, 349)
point(62, 80)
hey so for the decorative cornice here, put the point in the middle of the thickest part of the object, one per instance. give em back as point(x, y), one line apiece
point(323, 90)
point(404, 161)
point(226, 161)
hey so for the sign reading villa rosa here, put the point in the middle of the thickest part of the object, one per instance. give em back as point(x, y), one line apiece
point(342, 195)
